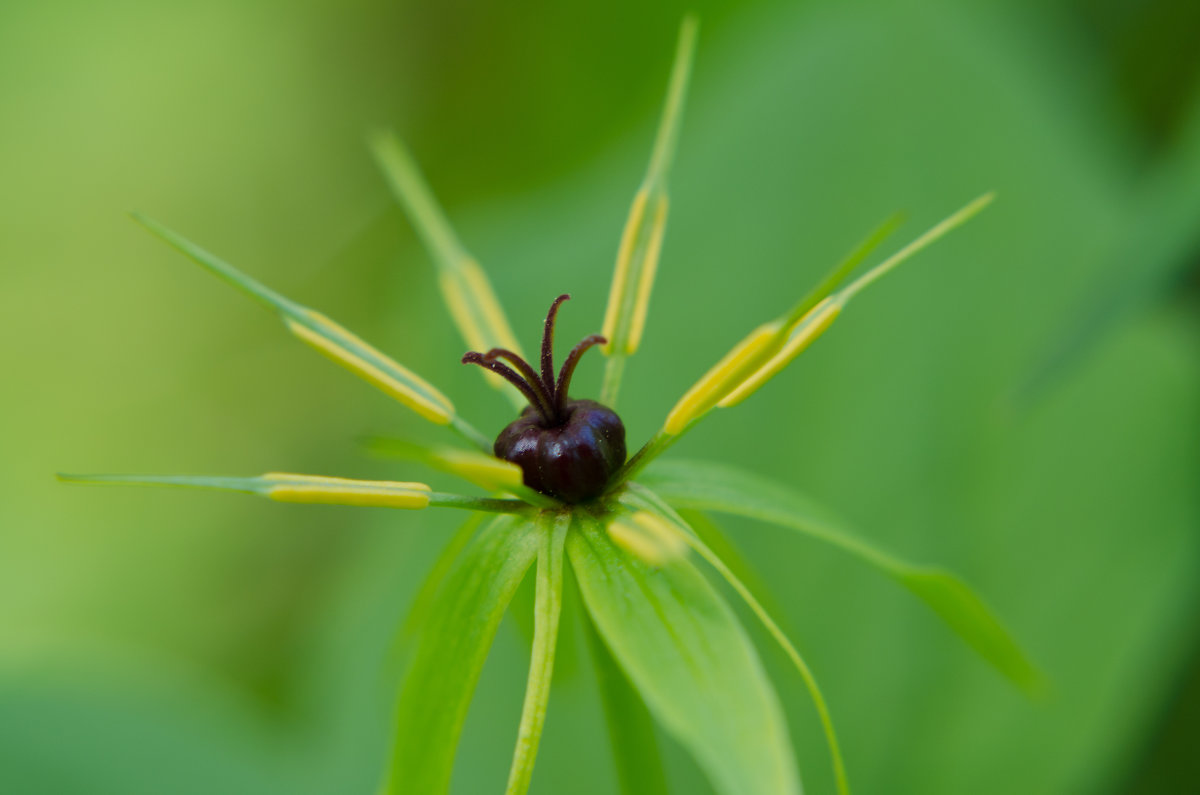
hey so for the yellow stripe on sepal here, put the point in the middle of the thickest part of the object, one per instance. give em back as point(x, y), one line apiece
point(641, 303)
point(370, 364)
point(475, 308)
point(746, 357)
point(647, 537)
point(476, 311)
point(617, 293)
point(806, 330)
point(633, 277)
point(288, 487)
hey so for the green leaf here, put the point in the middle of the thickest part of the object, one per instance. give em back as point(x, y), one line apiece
point(630, 727)
point(437, 689)
point(639, 498)
point(547, 611)
point(685, 651)
point(716, 487)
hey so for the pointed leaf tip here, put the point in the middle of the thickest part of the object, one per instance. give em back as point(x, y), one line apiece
point(932, 235)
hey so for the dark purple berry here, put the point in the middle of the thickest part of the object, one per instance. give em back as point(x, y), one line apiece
point(565, 448)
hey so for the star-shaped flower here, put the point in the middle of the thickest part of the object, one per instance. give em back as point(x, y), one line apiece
point(561, 491)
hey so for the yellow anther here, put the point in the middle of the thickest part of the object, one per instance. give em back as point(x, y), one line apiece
point(641, 303)
point(807, 329)
point(647, 537)
point(725, 376)
point(287, 487)
point(473, 306)
point(618, 294)
point(465, 287)
point(372, 365)
point(641, 240)
point(485, 471)
point(475, 284)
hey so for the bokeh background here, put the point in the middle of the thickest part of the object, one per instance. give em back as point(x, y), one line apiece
point(1019, 404)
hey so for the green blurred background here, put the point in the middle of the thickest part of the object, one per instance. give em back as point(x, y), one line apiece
point(1020, 404)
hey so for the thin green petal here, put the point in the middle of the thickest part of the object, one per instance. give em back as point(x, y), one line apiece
point(439, 684)
point(641, 241)
point(547, 611)
point(686, 653)
point(716, 487)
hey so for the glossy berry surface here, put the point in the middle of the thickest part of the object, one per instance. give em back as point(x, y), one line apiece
point(571, 461)
point(566, 448)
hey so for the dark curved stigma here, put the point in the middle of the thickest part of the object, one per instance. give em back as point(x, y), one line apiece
point(545, 393)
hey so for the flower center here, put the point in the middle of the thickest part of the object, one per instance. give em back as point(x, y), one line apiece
point(566, 448)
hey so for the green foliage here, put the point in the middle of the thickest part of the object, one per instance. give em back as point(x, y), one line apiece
point(441, 679)
point(630, 727)
point(227, 645)
point(716, 487)
point(687, 654)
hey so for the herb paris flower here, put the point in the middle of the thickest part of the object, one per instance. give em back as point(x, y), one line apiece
point(560, 491)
